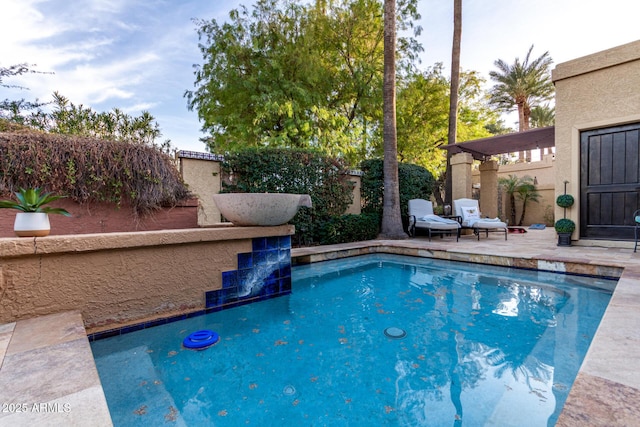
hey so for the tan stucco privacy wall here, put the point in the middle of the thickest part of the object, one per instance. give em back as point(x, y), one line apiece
point(543, 172)
point(594, 91)
point(117, 279)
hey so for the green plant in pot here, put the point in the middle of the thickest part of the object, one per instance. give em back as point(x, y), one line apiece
point(33, 218)
point(565, 227)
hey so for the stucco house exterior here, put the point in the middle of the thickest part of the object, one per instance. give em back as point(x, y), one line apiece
point(597, 142)
point(597, 148)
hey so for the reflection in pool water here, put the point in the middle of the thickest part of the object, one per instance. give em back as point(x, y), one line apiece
point(483, 346)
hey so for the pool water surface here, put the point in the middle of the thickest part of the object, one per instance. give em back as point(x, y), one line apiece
point(375, 340)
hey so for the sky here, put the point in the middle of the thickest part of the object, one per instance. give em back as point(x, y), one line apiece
point(138, 55)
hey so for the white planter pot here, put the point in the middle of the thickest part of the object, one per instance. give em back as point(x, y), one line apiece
point(31, 224)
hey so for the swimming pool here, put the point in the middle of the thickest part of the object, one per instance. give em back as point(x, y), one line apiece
point(483, 346)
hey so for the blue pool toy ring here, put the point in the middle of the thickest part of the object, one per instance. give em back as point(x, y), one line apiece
point(201, 339)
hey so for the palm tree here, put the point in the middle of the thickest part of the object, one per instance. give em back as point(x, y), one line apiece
point(391, 219)
point(453, 91)
point(510, 186)
point(522, 85)
point(522, 188)
point(527, 192)
point(543, 116)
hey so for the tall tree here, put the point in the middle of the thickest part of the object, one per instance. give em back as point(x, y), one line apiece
point(391, 227)
point(12, 109)
point(542, 116)
point(294, 74)
point(522, 85)
point(423, 112)
point(453, 91)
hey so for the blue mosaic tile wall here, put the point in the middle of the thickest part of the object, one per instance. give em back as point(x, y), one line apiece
point(263, 273)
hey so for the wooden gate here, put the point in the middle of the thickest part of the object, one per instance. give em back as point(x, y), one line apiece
point(609, 182)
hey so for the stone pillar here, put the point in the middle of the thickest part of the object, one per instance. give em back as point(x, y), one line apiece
point(356, 206)
point(201, 172)
point(489, 188)
point(461, 176)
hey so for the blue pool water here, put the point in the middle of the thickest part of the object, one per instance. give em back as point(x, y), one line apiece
point(484, 346)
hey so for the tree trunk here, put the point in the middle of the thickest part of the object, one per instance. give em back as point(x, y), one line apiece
point(512, 202)
point(455, 71)
point(522, 126)
point(391, 219)
point(453, 91)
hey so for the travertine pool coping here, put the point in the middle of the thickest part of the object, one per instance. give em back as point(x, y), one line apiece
point(48, 376)
point(47, 364)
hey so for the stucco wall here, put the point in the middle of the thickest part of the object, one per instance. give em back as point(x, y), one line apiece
point(108, 218)
point(201, 173)
point(594, 91)
point(120, 278)
point(544, 173)
point(355, 207)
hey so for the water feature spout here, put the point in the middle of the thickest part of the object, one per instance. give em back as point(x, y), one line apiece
point(260, 209)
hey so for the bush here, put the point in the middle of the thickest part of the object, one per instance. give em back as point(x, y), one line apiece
point(90, 170)
point(280, 170)
point(565, 200)
point(415, 182)
point(565, 225)
point(349, 228)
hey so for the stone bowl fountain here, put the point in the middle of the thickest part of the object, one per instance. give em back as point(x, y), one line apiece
point(260, 209)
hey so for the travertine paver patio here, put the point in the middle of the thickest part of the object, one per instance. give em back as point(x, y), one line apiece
point(48, 360)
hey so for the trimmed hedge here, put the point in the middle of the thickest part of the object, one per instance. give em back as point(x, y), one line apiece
point(565, 225)
point(282, 170)
point(565, 200)
point(415, 182)
point(349, 228)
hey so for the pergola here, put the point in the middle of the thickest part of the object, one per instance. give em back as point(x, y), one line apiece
point(483, 149)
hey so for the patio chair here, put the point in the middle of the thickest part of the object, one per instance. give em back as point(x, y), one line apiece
point(421, 216)
point(469, 211)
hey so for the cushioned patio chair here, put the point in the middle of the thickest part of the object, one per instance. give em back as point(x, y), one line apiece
point(421, 216)
point(469, 211)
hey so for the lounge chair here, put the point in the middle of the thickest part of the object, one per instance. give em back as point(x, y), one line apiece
point(421, 216)
point(469, 211)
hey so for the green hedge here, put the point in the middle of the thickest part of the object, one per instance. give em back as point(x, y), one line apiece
point(281, 170)
point(415, 182)
point(349, 228)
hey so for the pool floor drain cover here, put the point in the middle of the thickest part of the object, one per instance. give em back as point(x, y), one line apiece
point(289, 390)
point(395, 333)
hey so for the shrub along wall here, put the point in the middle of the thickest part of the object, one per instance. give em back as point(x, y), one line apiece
point(110, 186)
point(415, 182)
point(278, 170)
point(90, 170)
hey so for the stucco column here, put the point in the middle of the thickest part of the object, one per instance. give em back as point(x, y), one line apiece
point(201, 172)
point(489, 188)
point(461, 176)
point(356, 206)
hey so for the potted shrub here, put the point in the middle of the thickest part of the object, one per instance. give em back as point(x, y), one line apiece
point(33, 218)
point(565, 227)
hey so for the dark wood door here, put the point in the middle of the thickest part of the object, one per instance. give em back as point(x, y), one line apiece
point(609, 182)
